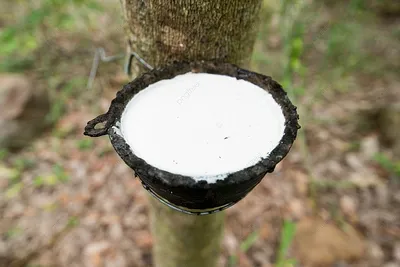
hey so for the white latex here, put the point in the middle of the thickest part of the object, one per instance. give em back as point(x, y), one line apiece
point(202, 125)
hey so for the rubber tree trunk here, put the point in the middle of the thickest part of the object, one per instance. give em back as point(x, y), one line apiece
point(161, 31)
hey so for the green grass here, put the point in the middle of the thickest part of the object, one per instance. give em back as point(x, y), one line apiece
point(13, 190)
point(14, 175)
point(389, 165)
point(58, 176)
point(286, 238)
point(22, 164)
point(13, 232)
point(73, 221)
point(244, 247)
point(249, 241)
point(85, 143)
point(294, 71)
point(48, 180)
point(329, 184)
point(3, 154)
point(20, 40)
point(66, 91)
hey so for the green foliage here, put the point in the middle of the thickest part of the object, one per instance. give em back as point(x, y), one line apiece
point(260, 57)
point(85, 143)
point(22, 164)
point(73, 221)
point(50, 207)
point(58, 176)
point(19, 165)
point(38, 181)
point(357, 5)
point(14, 232)
point(56, 111)
point(292, 33)
point(14, 177)
point(328, 184)
point(17, 64)
point(340, 51)
point(249, 241)
point(49, 180)
point(396, 33)
point(244, 247)
point(389, 165)
point(60, 173)
point(287, 235)
point(20, 40)
point(354, 146)
point(14, 189)
point(74, 86)
point(58, 106)
point(3, 153)
point(12, 174)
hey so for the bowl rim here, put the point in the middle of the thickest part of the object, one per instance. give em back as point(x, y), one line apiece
point(171, 181)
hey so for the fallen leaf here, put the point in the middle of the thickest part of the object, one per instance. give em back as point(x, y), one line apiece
point(319, 244)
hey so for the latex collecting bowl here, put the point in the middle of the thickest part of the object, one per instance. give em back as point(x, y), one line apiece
point(200, 135)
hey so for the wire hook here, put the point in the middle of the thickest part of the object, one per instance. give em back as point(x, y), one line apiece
point(100, 55)
point(128, 66)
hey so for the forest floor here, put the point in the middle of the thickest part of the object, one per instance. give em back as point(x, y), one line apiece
point(68, 200)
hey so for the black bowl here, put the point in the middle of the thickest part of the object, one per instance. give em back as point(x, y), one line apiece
point(183, 192)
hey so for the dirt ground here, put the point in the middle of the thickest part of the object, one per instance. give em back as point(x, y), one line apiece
point(69, 201)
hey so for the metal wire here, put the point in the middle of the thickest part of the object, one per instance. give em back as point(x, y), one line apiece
point(182, 209)
point(100, 55)
point(128, 65)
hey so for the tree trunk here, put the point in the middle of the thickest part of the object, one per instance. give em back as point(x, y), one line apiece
point(165, 30)
point(161, 31)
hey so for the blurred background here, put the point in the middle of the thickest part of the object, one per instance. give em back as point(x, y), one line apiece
point(68, 200)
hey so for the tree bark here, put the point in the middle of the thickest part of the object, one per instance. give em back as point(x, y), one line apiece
point(164, 30)
point(185, 240)
point(161, 31)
